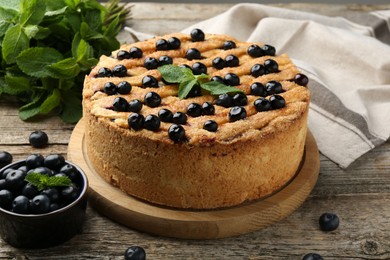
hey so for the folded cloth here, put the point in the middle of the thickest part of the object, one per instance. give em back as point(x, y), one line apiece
point(348, 64)
point(347, 61)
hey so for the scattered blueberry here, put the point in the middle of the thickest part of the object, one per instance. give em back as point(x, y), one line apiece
point(224, 100)
point(124, 87)
point(199, 68)
point(217, 79)
point(135, 253)
point(197, 35)
point(231, 79)
point(104, 72)
point(165, 115)
point(273, 87)
point(5, 158)
point(277, 101)
point(122, 55)
point(232, 61)
point(268, 50)
point(255, 51)
point(329, 222)
point(174, 43)
point(120, 104)
point(271, 66)
point(262, 104)
point(258, 89)
point(119, 71)
point(219, 63)
point(38, 139)
point(229, 45)
point(208, 108)
point(312, 256)
point(240, 99)
point(149, 82)
point(210, 125)
point(194, 110)
point(135, 105)
point(257, 70)
point(301, 79)
point(164, 60)
point(150, 63)
point(195, 92)
point(161, 45)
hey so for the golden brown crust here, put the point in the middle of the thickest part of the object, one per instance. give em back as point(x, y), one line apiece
point(243, 160)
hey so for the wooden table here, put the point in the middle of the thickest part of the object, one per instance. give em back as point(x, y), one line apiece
point(359, 195)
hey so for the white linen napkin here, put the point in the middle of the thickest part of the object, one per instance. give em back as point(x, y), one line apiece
point(348, 64)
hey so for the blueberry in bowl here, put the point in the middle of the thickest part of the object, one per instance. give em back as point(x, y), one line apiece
point(42, 201)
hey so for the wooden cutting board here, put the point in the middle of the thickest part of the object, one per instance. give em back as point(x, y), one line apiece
point(195, 224)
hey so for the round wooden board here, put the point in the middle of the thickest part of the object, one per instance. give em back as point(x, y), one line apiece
point(193, 224)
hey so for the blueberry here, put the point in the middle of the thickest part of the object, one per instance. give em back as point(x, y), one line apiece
point(193, 54)
point(184, 66)
point(150, 63)
point(41, 170)
point(15, 179)
point(262, 104)
point(268, 50)
point(258, 89)
point(301, 79)
point(240, 99)
point(165, 115)
point(124, 87)
point(174, 43)
point(199, 68)
point(136, 121)
point(164, 60)
point(312, 256)
point(237, 113)
point(135, 53)
point(273, 87)
point(210, 125)
point(122, 55)
point(34, 161)
point(70, 171)
point(30, 191)
point(135, 105)
point(194, 110)
point(161, 45)
point(271, 66)
point(54, 161)
point(23, 168)
point(54, 207)
point(149, 82)
point(38, 139)
point(5, 158)
point(219, 63)
point(179, 118)
point(152, 99)
point(217, 79)
point(69, 194)
point(20, 204)
point(135, 253)
point(232, 61)
point(110, 88)
point(3, 174)
point(119, 71)
point(255, 51)
point(3, 184)
point(277, 101)
point(224, 100)
point(257, 70)
point(152, 122)
point(104, 72)
point(40, 204)
point(176, 133)
point(6, 198)
point(195, 92)
point(229, 45)
point(231, 79)
point(197, 35)
point(329, 222)
point(120, 104)
point(208, 108)
point(52, 193)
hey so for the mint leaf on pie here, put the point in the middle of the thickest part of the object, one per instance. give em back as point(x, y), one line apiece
point(187, 80)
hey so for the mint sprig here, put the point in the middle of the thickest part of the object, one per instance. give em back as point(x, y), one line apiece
point(43, 181)
point(187, 81)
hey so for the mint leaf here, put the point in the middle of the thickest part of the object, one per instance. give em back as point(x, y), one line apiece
point(32, 12)
point(51, 102)
point(175, 74)
point(67, 68)
point(185, 88)
point(4, 26)
point(16, 85)
point(71, 109)
point(34, 61)
point(7, 14)
point(43, 181)
point(31, 109)
point(217, 88)
point(15, 41)
point(14, 5)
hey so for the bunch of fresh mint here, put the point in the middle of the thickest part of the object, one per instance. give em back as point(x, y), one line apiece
point(47, 48)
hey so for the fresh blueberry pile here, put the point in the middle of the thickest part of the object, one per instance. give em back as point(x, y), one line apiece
point(56, 184)
point(135, 253)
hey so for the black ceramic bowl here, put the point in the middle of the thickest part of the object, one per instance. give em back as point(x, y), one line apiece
point(48, 229)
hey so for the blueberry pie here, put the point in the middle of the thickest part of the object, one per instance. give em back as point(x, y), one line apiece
point(210, 149)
